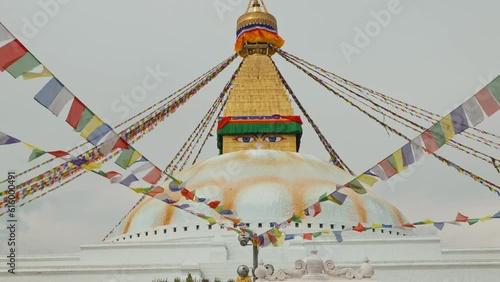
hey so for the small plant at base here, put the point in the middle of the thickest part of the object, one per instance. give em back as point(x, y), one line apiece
point(189, 278)
point(217, 279)
point(177, 279)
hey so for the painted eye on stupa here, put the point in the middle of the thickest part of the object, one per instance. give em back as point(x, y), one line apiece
point(273, 139)
point(245, 139)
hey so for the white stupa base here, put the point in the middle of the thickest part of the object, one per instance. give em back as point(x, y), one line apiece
point(394, 258)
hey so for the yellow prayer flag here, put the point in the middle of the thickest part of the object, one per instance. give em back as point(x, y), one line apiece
point(326, 231)
point(92, 166)
point(447, 126)
point(31, 75)
point(428, 221)
point(367, 179)
point(482, 219)
point(280, 241)
point(135, 156)
point(398, 159)
point(376, 225)
point(93, 124)
point(31, 147)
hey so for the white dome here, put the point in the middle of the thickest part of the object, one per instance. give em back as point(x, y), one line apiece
point(264, 186)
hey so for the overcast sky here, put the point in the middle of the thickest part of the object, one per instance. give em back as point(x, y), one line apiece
point(434, 54)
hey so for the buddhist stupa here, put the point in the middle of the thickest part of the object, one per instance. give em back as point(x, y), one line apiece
point(259, 173)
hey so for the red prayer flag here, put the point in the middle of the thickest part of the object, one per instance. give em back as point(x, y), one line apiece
point(122, 144)
point(187, 194)
point(214, 204)
point(487, 102)
point(111, 174)
point(153, 176)
point(388, 169)
point(10, 53)
point(75, 113)
point(461, 218)
point(307, 236)
point(359, 228)
point(317, 209)
point(430, 143)
point(155, 191)
point(409, 225)
point(271, 237)
point(58, 154)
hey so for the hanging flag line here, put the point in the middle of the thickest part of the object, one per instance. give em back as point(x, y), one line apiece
point(23, 193)
point(431, 117)
point(186, 147)
point(144, 196)
point(144, 125)
point(46, 192)
point(395, 104)
point(222, 104)
point(429, 141)
point(65, 168)
point(390, 166)
point(334, 156)
point(392, 116)
point(181, 91)
point(178, 186)
point(444, 160)
point(171, 168)
point(116, 177)
point(209, 134)
point(416, 127)
point(275, 237)
point(128, 157)
point(175, 94)
point(4, 31)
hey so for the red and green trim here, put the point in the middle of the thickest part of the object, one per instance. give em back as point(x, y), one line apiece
point(256, 126)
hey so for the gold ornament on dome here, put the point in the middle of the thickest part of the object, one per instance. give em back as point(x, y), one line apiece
point(256, 14)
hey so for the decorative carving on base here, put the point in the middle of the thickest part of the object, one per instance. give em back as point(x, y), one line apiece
point(313, 268)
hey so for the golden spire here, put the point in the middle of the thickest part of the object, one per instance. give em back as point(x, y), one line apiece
point(258, 113)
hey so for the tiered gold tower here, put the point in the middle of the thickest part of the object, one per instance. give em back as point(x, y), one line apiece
point(258, 113)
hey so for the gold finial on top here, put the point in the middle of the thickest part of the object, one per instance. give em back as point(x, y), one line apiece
point(255, 15)
point(256, 29)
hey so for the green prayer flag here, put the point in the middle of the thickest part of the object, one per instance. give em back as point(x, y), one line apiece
point(23, 65)
point(35, 154)
point(143, 190)
point(357, 186)
point(494, 88)
point(87, 115)
point(317, 234)
point(323, 198)
point(124, 158)
point(472, 221)
point(438, 133)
